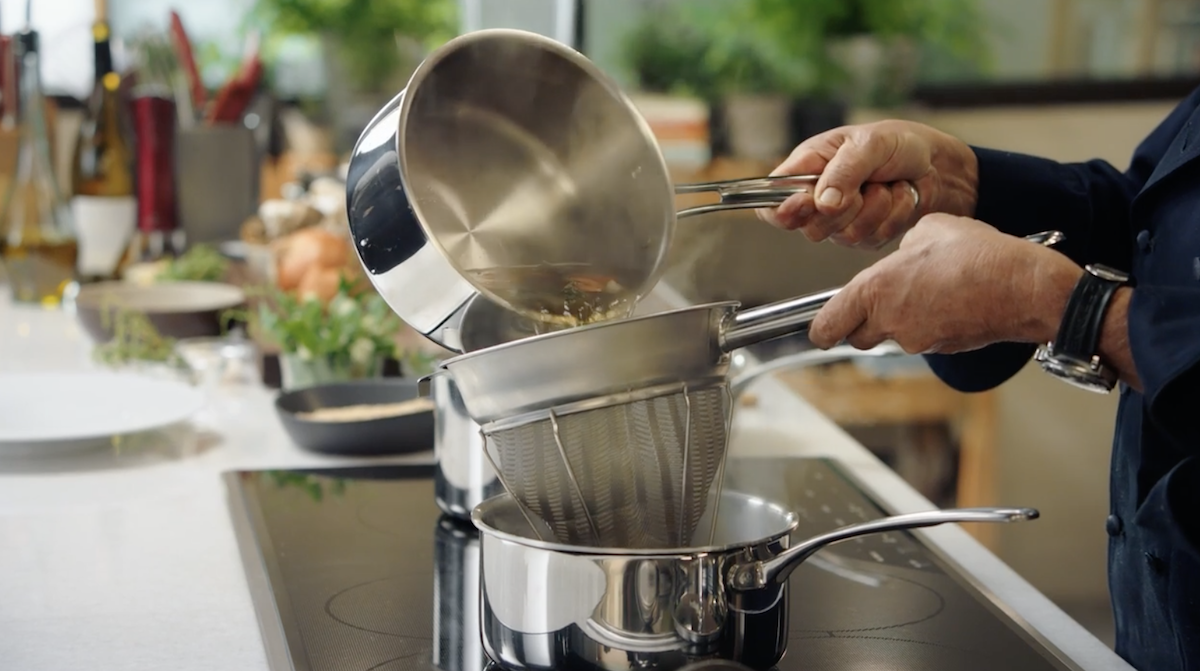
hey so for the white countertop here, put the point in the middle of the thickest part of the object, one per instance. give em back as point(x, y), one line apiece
point(130, 563)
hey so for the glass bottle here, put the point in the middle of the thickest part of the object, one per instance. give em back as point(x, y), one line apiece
point(103, 206)
point(152, 108)
point(38, 246)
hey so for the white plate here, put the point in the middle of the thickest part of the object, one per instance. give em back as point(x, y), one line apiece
point(81, 407)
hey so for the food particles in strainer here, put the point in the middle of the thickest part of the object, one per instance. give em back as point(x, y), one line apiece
point(559, 296)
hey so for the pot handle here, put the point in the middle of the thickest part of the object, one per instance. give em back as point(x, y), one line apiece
point(794, 315)
point(425, 384)
point(760, 574)
point(746, 194)
point(811, 357)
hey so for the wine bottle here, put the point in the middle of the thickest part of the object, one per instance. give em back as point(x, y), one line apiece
point(104, 203)
point(37, 236)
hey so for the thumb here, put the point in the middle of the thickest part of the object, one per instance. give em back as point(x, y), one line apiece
point(855, 161)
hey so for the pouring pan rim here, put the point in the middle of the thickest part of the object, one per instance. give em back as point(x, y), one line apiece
point(792, 521)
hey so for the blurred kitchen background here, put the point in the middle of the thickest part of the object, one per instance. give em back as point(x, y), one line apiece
point(135, 134)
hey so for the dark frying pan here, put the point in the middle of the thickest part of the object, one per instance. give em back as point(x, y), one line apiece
point(401, 434)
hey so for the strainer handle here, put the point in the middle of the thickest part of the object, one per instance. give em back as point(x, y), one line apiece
point(795, 315)
point(773, 320)
point(746, 194)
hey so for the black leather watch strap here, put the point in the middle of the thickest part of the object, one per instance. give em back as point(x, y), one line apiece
point(1083, 319)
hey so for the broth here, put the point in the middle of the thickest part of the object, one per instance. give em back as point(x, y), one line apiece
point(561, 296)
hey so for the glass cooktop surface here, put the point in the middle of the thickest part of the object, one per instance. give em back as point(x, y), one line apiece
point(357, 569)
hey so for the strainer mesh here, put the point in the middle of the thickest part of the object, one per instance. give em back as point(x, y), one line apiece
point(643, 470)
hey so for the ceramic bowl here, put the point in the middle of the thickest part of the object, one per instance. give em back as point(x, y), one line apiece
point(177, 309)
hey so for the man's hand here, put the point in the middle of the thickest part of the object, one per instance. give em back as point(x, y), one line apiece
point(876, 181)
point(955, 284)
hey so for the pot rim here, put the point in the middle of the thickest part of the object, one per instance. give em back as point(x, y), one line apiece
point(793, 521)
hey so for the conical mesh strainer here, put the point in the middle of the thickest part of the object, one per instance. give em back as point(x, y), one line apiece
point(635, 474)
point(615, 434)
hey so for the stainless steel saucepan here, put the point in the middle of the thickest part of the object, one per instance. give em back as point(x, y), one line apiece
point(547, 606)
point(506, 153)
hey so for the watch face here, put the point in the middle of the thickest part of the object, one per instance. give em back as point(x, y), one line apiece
point(1106, 273)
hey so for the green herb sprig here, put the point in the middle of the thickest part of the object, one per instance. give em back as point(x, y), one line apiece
point(134, 339)
point(200, 263)
point(354, 329)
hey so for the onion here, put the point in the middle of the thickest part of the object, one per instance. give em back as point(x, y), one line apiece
point(319, 282)
point(309, 249)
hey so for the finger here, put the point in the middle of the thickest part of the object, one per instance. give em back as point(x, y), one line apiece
point(844, 313)
point(859, 156)
point(866, 336)
point(812, 155)
point(771, 216)
point(820, 226)
point(904, 213)
point(792, 213)
point(877, 207)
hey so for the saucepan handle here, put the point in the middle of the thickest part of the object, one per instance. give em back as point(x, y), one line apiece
point(757, 575)
point(794, 315)
point(746, 194)
point(810, 357)
point(425, 385)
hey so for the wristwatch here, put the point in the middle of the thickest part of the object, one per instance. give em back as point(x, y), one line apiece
point(1074, 356)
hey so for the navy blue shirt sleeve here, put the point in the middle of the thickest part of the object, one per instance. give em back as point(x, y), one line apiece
point(1164, 337)
point(1090, 202)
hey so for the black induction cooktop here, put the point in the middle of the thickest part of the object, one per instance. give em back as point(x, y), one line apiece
point(357, 569)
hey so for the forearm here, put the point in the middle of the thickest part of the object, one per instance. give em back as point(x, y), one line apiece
point(1115, 351)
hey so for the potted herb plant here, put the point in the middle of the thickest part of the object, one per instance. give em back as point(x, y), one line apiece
point(868, 52)
point(754, 83)
point(370, 47)
point(347, 338)
point(710, 51)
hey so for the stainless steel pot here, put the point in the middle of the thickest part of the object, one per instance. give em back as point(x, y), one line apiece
point(464, 477)
point(547, 606)
point(508, 149)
